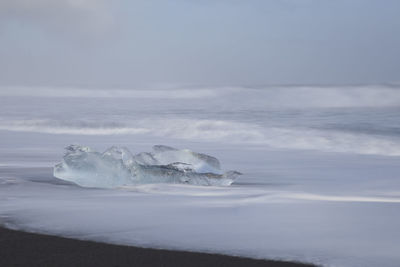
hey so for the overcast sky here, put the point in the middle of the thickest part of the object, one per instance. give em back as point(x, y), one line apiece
point(214, 42)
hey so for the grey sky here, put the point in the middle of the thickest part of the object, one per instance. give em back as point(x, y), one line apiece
point(125, 43)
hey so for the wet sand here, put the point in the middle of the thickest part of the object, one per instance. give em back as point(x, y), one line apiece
point(27, 249)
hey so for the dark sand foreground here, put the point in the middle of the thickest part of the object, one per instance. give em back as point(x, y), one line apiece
point(27, 249)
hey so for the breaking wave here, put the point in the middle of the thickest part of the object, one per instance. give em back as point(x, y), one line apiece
point(63, 92)
point(270, 96)
point(77, 128)
point(224, 132)
point(305, 196)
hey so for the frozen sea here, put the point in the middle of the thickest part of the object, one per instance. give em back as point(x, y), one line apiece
point(320, 183)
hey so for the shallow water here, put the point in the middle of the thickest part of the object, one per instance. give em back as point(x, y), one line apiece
point(321, 169)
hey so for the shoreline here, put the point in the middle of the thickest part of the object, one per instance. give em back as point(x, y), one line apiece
point(18, 248)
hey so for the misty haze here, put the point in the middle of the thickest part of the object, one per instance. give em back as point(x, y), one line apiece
point(265, 130)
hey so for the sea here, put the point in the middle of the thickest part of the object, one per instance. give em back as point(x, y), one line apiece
point(320, 165)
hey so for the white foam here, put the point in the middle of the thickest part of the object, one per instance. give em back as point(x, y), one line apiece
point(62, 92)
point(73, 130)
point(270, 96)
point(331, 96)
point(226, 132)
point(258, 222)
point(344, 198)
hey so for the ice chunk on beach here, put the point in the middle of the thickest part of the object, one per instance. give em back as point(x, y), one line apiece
point(117, 167)
point(89, 168)
point(200, 163)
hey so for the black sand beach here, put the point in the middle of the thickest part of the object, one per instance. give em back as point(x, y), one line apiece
point(27, 249)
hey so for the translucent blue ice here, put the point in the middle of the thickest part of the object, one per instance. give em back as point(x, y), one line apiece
point(117, 167)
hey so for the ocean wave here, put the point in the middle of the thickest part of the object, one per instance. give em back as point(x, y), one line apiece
point(61, 92)
point(223, 132)
point(316, 197)
point(68, 128)
point(269, 96)
point(332, 96)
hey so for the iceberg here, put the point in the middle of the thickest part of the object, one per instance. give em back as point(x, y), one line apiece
point(117, 167)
